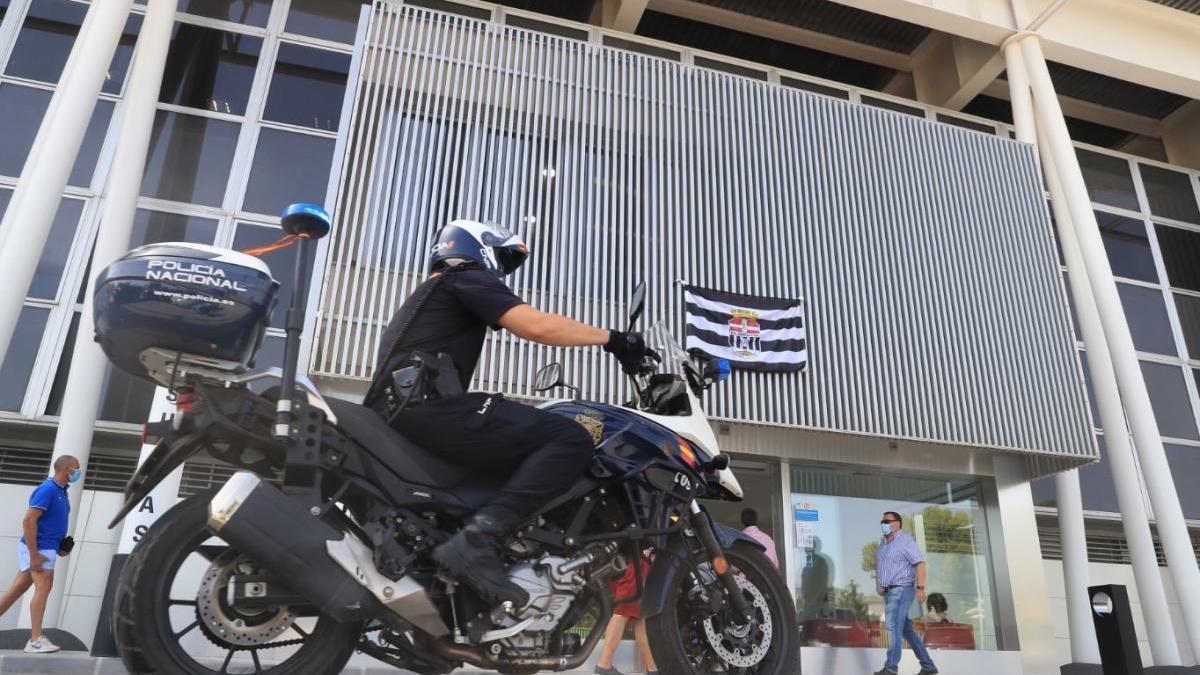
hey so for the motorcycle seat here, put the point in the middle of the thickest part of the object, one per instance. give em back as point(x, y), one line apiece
point(406, 459)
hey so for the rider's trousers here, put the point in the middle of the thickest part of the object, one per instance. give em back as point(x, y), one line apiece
point(542, 453)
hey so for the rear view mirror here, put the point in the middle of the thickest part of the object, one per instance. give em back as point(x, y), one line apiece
point(548, 377)
point(637, 302)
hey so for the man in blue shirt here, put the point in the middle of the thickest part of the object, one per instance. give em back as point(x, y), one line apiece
point(44, 527)
point(899, 576)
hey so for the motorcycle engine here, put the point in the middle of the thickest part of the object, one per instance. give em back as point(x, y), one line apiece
point(552, 583)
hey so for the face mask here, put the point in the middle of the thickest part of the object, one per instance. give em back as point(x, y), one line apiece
point(75, 475)
point(886, 528)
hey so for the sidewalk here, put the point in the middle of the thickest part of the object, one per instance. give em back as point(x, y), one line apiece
point(14, 662)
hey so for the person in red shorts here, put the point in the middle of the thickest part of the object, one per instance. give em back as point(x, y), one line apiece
point(623, 588)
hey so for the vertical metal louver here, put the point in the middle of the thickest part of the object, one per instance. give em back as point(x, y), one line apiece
point(923, 251)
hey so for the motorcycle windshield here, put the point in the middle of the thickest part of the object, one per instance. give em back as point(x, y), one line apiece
point(660, 339)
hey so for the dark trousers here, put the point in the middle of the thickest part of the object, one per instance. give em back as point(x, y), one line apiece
point(542, 453)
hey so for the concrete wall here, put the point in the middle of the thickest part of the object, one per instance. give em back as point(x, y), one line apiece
point(1111, 574)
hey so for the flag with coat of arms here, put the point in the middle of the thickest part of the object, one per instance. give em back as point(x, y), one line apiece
point(751, 332)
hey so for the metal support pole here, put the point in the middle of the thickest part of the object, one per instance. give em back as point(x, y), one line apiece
point(1176, 541)
point(27, 221)
point(82, 395)
point(1084, 648)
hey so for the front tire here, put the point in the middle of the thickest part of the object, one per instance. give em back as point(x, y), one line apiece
point(686, 638)
point(142, 617)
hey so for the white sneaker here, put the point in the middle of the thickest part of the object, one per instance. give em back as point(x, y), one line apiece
point(42, 645)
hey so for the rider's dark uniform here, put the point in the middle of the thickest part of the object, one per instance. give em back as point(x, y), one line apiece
point(542, 452)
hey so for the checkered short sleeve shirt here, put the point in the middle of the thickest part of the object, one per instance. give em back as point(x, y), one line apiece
point(895, 561)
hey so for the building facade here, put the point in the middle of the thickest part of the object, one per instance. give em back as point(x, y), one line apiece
point(944, 380)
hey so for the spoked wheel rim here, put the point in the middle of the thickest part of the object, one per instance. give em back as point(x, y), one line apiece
point(716, 642)
point(197, 617)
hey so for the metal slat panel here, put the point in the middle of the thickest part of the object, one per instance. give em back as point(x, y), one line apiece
point(922, 251)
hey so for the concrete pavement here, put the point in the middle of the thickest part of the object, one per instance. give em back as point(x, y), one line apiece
point(13, 662)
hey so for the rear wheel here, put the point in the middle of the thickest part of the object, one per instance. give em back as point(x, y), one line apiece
point(698, 634)
point(171, 613)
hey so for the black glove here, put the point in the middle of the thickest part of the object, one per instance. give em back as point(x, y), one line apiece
point(629, 348)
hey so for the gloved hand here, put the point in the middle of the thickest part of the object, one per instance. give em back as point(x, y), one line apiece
point(629, 348)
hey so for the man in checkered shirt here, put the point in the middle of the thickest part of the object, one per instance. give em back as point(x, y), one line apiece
point(900, 576)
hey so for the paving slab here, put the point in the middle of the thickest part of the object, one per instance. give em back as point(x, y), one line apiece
point(13, 662)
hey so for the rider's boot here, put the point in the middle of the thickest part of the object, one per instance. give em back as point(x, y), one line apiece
point(472, 556)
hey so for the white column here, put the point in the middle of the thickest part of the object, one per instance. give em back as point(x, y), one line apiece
point(1084, 648)
point(1168, 515)
point(1134, 519)
point(81, 398)
point(27, 221)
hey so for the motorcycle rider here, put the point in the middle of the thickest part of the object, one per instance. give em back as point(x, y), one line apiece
point(542, 453)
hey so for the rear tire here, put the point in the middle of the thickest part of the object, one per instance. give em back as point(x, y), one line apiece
point(141, 620)
point(679, 641)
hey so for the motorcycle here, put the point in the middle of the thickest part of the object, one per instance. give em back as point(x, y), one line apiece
point(320, 545)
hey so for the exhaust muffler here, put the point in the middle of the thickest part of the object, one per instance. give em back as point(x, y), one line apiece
point(328, 567)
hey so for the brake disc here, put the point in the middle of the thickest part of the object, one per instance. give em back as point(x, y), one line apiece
point(742, 646)
point(236, 626)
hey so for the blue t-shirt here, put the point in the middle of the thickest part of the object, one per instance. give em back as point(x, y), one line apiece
point(51, 498)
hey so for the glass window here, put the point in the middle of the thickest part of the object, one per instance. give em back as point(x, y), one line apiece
point(58, 245)
point(1108, 179)
point(45, 40)
point(22, 350)
point(1127, 246)
point(151, 227)
point(93, 140)
point(336, 21)
point(245, 12)
point(190, 158)
point(288, 168)
point(1095, 482)
point(5, 196)
point(308, 87)
point(22, 109)
point(210, 69)
point(123, 398)
point(1169, 398)
point(281, 262)
point(835, 517)
point(1180, 251)
point(1170, 194)
point(115, 77)
point(814, 87)
point(1146, 312)
point(966, 124)
point(1185, 471)
point(1189, 318)
point(888, 104)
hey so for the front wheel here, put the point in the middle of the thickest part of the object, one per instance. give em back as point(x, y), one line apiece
point(697, 632)
point(171, 612)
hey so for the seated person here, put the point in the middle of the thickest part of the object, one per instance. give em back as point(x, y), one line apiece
point(936, 609)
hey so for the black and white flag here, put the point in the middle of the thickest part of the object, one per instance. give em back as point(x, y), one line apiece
point(753, 333)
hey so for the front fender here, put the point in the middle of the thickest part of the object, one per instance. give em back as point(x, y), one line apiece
point(670, 563)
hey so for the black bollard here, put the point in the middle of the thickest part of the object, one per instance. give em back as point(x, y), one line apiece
point(1114, 630)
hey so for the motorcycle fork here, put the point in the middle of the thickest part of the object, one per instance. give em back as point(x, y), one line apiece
point(702, 525)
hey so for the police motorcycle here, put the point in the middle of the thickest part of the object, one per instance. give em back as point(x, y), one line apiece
point(320, 545)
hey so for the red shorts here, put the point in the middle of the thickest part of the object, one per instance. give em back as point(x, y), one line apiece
point(625, 587)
